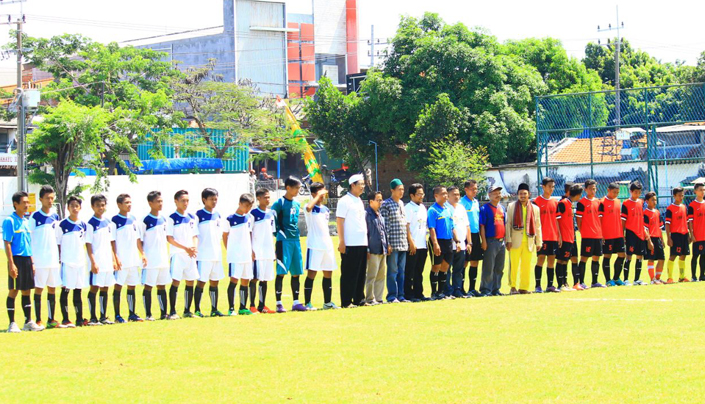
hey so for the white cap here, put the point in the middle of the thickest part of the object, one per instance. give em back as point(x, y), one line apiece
point(355, 178)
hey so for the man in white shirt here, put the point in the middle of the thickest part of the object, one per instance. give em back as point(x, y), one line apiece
point(182, 234)
point(210, 254)
point(416, 217)
point(463, 244)
point(352, 245)
point(154, 244)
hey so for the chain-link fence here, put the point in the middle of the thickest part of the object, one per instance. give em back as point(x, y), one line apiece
point(655, 135)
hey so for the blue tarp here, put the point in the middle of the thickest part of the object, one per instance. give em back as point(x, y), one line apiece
point(176, 165)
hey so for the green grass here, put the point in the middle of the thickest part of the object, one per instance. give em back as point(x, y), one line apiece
point(616, 345)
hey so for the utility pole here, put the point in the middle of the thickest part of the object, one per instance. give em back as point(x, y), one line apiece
point(618, 26)
point(372, 42)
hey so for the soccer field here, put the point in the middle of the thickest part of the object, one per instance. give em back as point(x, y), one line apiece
point(614, 345)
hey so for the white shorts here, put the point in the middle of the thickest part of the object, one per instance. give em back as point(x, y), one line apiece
point(183, 267)
point(210, 271)
point(47, 277)
point(240, 271)
point(263, 270)
point(156, 277)
point(129, 276)
point(73, 277)
point(320, 260)
point(101, 279)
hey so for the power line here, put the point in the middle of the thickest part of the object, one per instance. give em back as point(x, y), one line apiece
point(618, 44)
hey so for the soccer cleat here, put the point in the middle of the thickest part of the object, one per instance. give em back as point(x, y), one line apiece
point(611, 283)
point(538, 290)
point(552, 289)
point(67, 324)
point(32, 326)
point(198, 314)
point(173, 317)
point(670, 281)
point(280, 308)
point(13, 328)
point(597, 285)
point(163, 317)
point(39, 323)
point(52, 324)
point(577, 286)
point(120, 320)
point(627, 283)
point(266, 310)
point(94, 322)
point(232, 313)
point(149, 318)
point(82, 323)
point(244, 312)
point(584, 286)
point(330, 306)
point(134, 318)
point(566, 288)
point(620, 283)
point(655, 282)
point(187, 314)
point(298, 307)
point(639, 282)
point(106, 321)
point(217, 313)
point(254, 310)
point(310, 307)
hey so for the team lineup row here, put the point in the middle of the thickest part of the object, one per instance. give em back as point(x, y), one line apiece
point(388, 236)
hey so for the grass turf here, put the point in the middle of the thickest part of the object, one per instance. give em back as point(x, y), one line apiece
point(615, 345)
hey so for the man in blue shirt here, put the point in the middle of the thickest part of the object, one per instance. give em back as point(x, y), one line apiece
point(472, 206)
point(18, 248)
point(442, 230)
point(493, 217)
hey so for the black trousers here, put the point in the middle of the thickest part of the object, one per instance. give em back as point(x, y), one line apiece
point(413, 274)
point(353, 270)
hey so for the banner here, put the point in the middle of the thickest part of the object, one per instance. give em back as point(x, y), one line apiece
point(314, 170)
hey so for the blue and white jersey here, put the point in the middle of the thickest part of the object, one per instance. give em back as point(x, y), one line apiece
point(263, 230)
point(210, 236)
point(44, 248)
point(318, 231)
point(154, 243)
point(99, 234)
point(239, 229)
point(183, 228)
point(127, 232)
point(71, 236)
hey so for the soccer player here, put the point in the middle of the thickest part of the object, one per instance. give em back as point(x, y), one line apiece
point(237, 236)
point(587, 214)
point(154, 245)
point(610, 214)
point(100, 234)
point(417, 218)
point(492, 232)
point(472, 207)
point(568, 250)
point(182, 234)
point(696, 226)
point(289, 260)
point(45, 254)
point(263, 229)
point(551, 237)
point(677, 234)
point(462, 230)
point(130, 258)
point(634, 232)
point(71, 239)
point(210, 255)
point(443, 234)
point(654, 251)
point(18, 249)
point(320, 254)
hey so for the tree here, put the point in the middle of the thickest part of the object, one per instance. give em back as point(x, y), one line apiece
point(453, 162)
point(234, 110)
point(70, 136)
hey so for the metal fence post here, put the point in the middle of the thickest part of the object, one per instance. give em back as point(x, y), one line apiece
point(592, 163)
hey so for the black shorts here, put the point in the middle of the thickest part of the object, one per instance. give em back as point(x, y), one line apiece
point(566, 251)
point(658, 253)
point(681, 244)
point(446, 252)
point(548, 248)
point(613, 246)
point(25, 274)
point(698, 248)
point(635, 245)
point(591, 247)
point(477, 253)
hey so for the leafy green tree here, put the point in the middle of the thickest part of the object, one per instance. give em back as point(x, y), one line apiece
point(69, 136)
point(453, 162)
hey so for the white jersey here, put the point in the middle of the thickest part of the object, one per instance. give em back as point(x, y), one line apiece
point(99, 234)
point(318, 232)
point(183, 229)
point(153, 230)
point(71, 236)
point(127, 232)
point(461, 223)
point(239, 246)
point(417, 218)
point(263, 230)
point(45, 252)
point(210, 236)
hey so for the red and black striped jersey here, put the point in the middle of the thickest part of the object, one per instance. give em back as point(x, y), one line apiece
point(654, 222)
point(565, 220)
point(677, 218)
point(633, 216)
point(696, 215)
point(549, 216)
point(610, 218)
point(587, 211)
